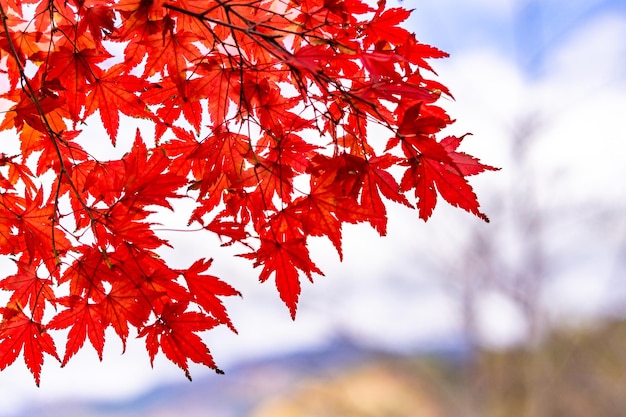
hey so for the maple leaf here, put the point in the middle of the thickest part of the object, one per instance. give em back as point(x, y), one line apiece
point(216, 81)
point(187, 20)
point(467, 164)
point(60, 153)
point(24, 43)
point(147, 178)
point(173, 105)
point(20, 333)
point(417, 53)
point(376, 181)
point(289, 149)
point(421, 121)
point(46, 111)
point(10, 202)
point(206, 289)
point(87, 273)
point(43, 240)
point(29, 290)
point(332, 199)
point(225, 155)
point(172, 55)
point(427, 174)
point(227, 228)
point(20, 172)
point(384, 26)
point(96, 18)
point(284, 258)
point(122, 305)
point(113, 93)
point(128, 226)
point(174, 333)
point(264, 99)
point(86, 321)
point(155, 282)
point(270, 179)
point(74, 70)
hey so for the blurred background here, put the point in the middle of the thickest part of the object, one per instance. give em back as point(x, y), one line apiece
point(521, 317)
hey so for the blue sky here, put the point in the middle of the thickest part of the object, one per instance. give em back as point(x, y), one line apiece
point(524, 31)
point(558, 67)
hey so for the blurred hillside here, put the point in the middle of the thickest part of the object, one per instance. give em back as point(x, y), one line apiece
point(575, 372)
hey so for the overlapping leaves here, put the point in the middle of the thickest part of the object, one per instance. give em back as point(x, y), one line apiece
point(263, 112)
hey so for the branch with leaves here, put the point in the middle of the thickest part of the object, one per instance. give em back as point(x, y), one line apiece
point(263, 113)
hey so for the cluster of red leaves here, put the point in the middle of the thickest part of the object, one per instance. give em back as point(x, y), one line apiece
point(263, 113)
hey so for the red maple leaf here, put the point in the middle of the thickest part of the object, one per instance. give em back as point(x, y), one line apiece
point(384, 25)
point(42, 239)
point(284, 257)
point(113, 93)
point(217, 81)
point(429, 172)
point(74, 69)
point(86, 321)
point(467, 164)
point(377, 181)
point(21, 334)
point(174, 333)
point(29, 290)
point(331, 201)
point(124, 305)
point(96, 18)
point(205, 289)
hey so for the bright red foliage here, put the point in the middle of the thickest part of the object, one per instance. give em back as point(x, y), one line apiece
point(263, 113)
